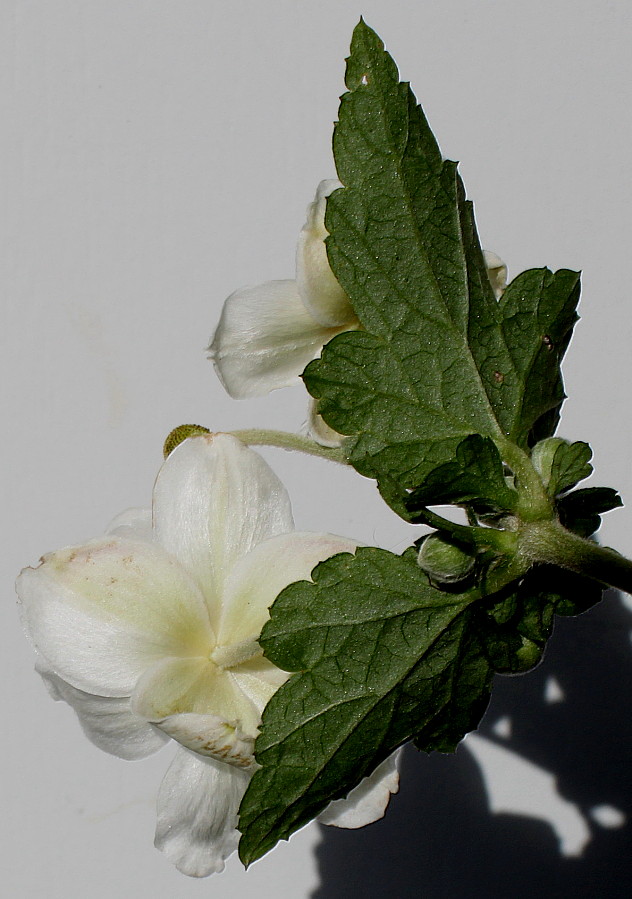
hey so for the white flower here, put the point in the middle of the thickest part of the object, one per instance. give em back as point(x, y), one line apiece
point(268, 334)
point(151, 632)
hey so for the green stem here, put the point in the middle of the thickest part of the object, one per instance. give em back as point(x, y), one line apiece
point(534, 503)
point(503, 541)
point(548, 541)
point(285, 440)
point(438, 522)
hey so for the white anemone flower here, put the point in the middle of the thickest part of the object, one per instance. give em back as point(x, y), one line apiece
point(150, 633)
point(268, 334)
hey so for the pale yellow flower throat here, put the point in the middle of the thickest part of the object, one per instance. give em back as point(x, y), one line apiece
point(230, 656)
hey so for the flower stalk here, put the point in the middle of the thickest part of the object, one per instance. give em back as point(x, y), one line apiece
point(286, 440)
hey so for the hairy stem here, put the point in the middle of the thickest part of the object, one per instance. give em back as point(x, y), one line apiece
point(548, 541)
point(288, 441)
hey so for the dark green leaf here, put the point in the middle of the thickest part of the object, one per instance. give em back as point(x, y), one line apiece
point(469, 695)
point(382, 656)
point(571, 464)
point(580, 510)
point(561, 464)
point(514, 629)
point(439, 359)
point(538, 314)
point(475, 475)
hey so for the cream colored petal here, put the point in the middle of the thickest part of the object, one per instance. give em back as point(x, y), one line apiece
point(214, 501)
point(319, 430)
point(108, 722)
point(181, 686)
point(259, 577)
point(102, 613)
point(264, 339)
point(369, 800)
point(211, 736)
point(198, 808)
point(318, 288)
point(497, 271)
point(134, 524)
point(259, 679)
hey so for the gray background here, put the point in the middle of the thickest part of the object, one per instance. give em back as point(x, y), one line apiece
point(158, 155)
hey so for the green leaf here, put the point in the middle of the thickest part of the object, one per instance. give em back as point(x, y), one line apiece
point(468, 698)
point(538, 314)
point(571, 464)
point(474, 476)
point(382, 656)
point(580, 510)
point(519, 625)
point(439, 358)
point(561, 464)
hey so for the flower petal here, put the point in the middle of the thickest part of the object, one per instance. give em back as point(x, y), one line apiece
point(215, 500)
point(198, 807)
point(101, 613)
point(369, 800)
point(108, 722)
point(259, 679)
point(258, 578)
point(318, 288)
point(134, 524)
point(319, 430)
point(497, 271)
point(176, 686)
point(264, 339)
point(210, 736)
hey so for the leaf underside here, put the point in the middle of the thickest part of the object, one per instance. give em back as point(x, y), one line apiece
point(438, 358)
point(378, 650)
point(383, 657)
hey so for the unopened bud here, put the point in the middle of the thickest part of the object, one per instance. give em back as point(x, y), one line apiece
point(444, 562)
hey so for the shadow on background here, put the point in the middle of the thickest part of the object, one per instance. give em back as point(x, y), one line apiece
point(439, 840)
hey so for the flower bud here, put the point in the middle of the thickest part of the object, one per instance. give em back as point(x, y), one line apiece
point(444, 562)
